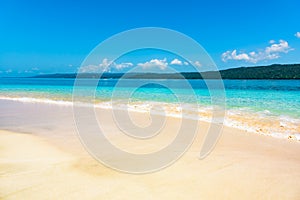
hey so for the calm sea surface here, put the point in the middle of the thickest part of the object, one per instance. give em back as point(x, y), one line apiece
point(276, 103)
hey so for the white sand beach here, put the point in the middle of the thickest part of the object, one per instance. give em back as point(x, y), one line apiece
point(242, 166)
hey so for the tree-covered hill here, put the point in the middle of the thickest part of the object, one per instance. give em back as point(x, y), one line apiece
point(276, 71)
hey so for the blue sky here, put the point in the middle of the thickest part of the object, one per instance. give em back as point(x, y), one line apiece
point(56, 36)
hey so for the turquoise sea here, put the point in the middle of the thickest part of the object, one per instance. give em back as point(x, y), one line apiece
point(270, 107)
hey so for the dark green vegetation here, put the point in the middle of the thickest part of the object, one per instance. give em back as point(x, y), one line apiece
point(263, 72)
point(276, 71)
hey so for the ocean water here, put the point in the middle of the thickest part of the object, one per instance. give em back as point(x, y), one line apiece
point(269, 107)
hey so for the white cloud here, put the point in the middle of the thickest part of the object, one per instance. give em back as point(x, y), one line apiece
point(228, 55)
point(35, 68)
point(197, 64)
point(91, 69)
point(161, 64)
point(123, 65)
point(179, 62)
point(297, 34)
point(8, 71)
point(282, 46)
point(176, 62)
point(269, 53)
point(104, 66)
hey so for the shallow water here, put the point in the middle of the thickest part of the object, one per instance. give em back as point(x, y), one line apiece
point(263, 106)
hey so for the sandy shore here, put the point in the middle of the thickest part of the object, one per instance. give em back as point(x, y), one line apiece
point(242, 166)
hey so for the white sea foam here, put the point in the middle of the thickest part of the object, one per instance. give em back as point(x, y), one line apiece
point(183, 110)
point(37, 100)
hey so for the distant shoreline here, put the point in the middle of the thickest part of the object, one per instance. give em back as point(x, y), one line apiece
point(276, 71)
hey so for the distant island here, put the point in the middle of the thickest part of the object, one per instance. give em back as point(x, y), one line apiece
point(275, 71)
